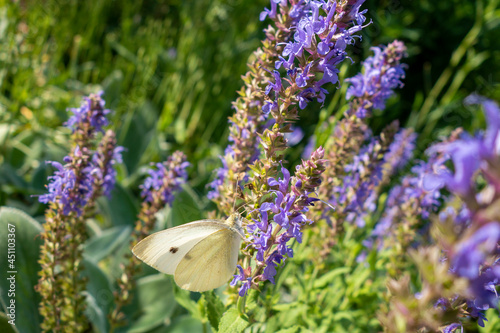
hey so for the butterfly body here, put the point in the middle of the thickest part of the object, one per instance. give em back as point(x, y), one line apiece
point(201, 255)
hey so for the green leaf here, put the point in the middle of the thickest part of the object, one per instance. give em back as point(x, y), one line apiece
point(5, 326)
point(26, 231)
point(39, 178)
point(183, 298)
point(120, 209)
point(232, 322)
point(112, 85)
point(252, 300)
point(136, 134)
point(186, 324)
point(293, 329)
point(99, 296)
point(182, 324)
point(330, 276)
point(156, 300)
point(95, 314)
point(99, 247)
point(185, 208)
point(214, 308)
point(8, 175)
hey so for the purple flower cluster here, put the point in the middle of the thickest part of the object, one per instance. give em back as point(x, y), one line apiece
point(356, 194)
point(280, 219)
point(382, 74)
point(229, 153)
point(218, 182)
point(470, 154)
point(470, 260)
point(162, 183)
point(284, 213)
point(417, 191)
point(461, 217)
point(107, 173)
point(245, 278)
point(475, 255)
point(73, 184)
point(91, 112)
point(74, 192)
point(67, 189)
point(401, 150)
point(451, 328)
point(322, 32)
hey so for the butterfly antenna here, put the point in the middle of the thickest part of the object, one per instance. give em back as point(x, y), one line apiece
point(237, 190)
point(328, 204)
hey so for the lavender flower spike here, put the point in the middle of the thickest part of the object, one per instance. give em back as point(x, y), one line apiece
point(91, 115)
point(382, 74)
point(73, 190)
point(281, 219)
point(401, 150)
point(166, 179)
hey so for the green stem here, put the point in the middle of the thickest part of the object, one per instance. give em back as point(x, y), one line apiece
point(241, 304)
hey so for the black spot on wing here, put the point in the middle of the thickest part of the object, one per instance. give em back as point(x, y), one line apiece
point(174, 249)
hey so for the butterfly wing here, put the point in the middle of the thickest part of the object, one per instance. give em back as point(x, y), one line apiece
point(210, 263)
point(165, 249)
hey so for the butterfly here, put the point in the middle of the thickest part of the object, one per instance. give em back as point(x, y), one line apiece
point(201, 255)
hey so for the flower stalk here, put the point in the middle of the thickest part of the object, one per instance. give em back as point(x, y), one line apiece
point(73, 190)
point(157, 191)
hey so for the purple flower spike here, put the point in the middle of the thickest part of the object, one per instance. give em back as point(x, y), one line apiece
point(86, 174)
point(401, 149)
point(64, 187)
point(92, 111)
point(167, 179)
point(382, 74)
point(280, 219)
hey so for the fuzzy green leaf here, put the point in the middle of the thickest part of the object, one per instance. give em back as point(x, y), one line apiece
point(99, 247)
point(156, 301)
point(232, 322)
point(5, 326)
point(214, 308)
point(99, 296)
point(120, 209)
point(24, 267)
point(183, 298)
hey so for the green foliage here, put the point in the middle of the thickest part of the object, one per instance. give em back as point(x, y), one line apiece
point(104, 244)
point(233, 322)
point(5, 326)
point(214, 308)
point(21, 268)
point(155, 298)
point(99, 296)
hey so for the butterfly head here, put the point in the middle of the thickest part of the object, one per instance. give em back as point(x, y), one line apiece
point(235, 221)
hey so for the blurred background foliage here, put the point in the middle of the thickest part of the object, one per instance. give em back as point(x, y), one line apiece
point(170, 69)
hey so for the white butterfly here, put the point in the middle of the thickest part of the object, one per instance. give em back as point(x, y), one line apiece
point(201, 255)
